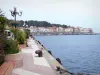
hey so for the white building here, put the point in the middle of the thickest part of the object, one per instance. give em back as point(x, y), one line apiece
point(68, 30)
point(77, 30)
point(43, 29)
point(86, 30)
point(81, 30)
point(60, 29)
point(33, 29)
point(50, 29)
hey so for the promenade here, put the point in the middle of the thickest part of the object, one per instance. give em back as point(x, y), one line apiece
point(31, 64)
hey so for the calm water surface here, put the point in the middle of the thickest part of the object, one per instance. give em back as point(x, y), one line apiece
point(78, 53)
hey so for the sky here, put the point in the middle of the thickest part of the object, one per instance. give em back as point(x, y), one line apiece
point(77, 13)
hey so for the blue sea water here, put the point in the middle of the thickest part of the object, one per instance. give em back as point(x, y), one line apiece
point(78, 53)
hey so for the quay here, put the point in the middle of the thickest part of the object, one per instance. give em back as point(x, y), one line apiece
point(27, 62)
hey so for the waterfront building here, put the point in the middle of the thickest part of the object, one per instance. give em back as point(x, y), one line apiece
point(50, 29)
point(88, 30)
point(54, 28)
point(60, 29)
point(46, 30)
point(81, 30)
point(40, 29)
point(68, 30)
point(33, 29)
point(77, 30)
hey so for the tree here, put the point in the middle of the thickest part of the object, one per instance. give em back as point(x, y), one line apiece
point(64, 26)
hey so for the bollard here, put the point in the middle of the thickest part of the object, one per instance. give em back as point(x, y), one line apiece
point(58, 59)
point(39, 42)
point(42, 45)
point(50, 52)
point(59, 69)
point(62, 70)
point(39, 52)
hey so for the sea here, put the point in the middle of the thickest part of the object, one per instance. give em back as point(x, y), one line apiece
point(78, 53)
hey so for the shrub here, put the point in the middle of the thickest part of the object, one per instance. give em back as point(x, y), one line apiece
point(21, 36)
point(27, 32)
point(11, 46)
point(14, 31)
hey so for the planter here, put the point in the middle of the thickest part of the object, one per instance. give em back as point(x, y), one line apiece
point(16, 58)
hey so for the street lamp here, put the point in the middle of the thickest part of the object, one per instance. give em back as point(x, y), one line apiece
point(14, 13)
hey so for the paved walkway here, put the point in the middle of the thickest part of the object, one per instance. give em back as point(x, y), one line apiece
point(32, 64)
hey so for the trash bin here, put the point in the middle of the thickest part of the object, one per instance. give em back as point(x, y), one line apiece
point(39, 52)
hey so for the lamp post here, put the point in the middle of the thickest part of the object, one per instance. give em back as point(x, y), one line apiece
point(14, 13)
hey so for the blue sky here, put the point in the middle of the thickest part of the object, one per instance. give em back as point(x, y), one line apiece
point(84, 13)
